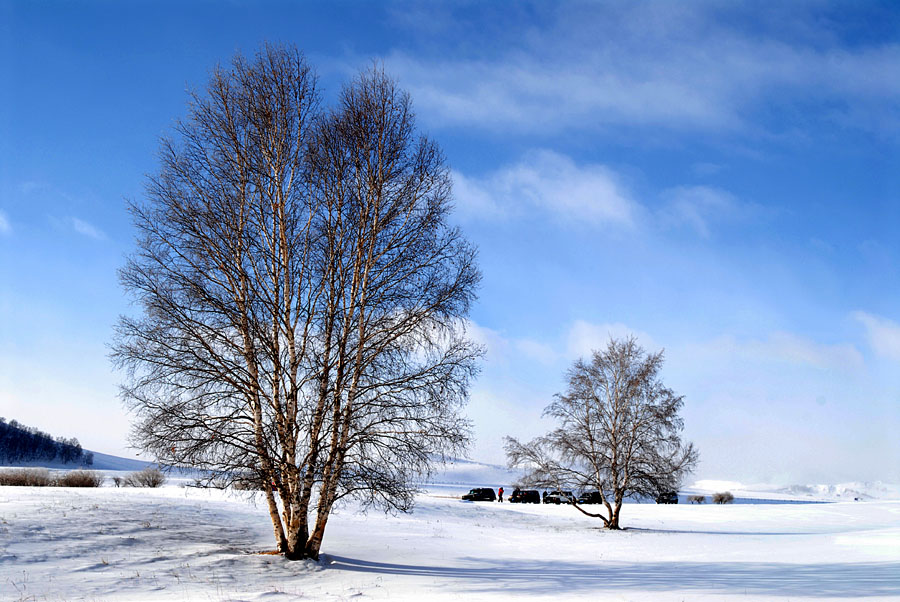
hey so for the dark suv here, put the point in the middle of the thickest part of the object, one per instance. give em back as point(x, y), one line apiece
point(667, 497)
point(559, 497)
point(480, 494)
point(590, 497)
point(525, 496)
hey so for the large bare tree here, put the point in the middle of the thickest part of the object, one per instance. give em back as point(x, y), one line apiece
point(618, 432)
point(302, 296)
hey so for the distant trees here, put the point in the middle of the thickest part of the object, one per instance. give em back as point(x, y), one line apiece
point(20, 443)
point(618, 432)
point(302, 295)
point(723, 497)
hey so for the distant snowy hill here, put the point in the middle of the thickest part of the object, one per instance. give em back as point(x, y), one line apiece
point(108, 462)
point(853, 491)
point(473, 474)
point(847, 491)
point(101, 462)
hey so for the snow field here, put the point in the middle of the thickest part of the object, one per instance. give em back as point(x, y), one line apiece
point(177, 543)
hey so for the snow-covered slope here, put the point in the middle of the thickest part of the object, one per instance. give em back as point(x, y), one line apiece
point(108, 462)
point(102, 462)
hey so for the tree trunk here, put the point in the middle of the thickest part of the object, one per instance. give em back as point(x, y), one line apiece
point(276, 520)
point(298, 531)
point(614, 520)
point(315, 541)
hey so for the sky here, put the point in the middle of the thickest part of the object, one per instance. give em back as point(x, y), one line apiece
point(717, 179)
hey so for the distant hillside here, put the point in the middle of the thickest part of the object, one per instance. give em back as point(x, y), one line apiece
point(108, 462)
point(458, 471)
point(20, 444)
point(840, 492)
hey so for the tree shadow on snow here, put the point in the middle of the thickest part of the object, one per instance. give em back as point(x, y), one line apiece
point(856, 580)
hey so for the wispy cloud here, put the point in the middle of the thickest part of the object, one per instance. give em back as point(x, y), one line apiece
point(555, 185)
point(500, 348)
point(540, 352)
point(32, 186)
point(585, 337)
point(5, 226)
point(669, 65)
point(782, 348)
point(698, 206)
point(550, 182)
point(778, 348)
point(794, 349)
point(882, 334)
point(705, 168)
point(493, 342)
point(85, 229)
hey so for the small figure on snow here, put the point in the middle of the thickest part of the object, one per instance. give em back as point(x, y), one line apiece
point(500, 496)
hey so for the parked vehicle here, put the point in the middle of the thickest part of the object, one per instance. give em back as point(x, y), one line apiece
point(590, 497)
point(525, 496)
point(480, 494)
point(559, 497)
point(667, 497)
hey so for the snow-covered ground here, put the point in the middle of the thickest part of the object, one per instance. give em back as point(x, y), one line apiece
point(178, 543)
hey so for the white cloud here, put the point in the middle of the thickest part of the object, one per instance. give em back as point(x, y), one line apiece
point(500, 348)
point(5, 226)
point(495, 345)
point(697, 206)
point(544, 354)
point(779, 348)
point(882, 334)
point(584, 337)
point(556, 185)
point(793, 349)
point(86, 229)
point(673, 65)
point(553, 183)
point(473, 198)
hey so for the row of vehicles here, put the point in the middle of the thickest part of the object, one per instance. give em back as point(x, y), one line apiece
point(533, 496)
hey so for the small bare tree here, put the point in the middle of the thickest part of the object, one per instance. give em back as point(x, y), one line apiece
point(723, 497)
point(302, 297)
point(619, 432)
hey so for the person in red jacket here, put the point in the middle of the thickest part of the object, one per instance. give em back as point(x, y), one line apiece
point(500, 496)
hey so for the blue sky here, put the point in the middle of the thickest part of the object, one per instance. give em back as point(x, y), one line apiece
point(718, 179)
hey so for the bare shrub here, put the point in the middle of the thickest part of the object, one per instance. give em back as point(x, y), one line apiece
point(723, 497)
point(149, 477)
point(80, 478)
point(26, 477)
point(117, 481)
point(697, 499)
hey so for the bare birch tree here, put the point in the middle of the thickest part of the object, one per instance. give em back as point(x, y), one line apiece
point(618, 432)
point(302, 296)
